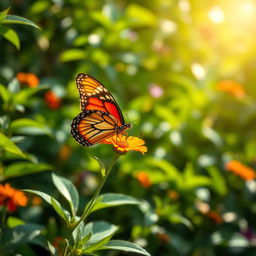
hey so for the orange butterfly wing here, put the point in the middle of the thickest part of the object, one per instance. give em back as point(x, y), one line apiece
point(93, 126)
point(94, 96)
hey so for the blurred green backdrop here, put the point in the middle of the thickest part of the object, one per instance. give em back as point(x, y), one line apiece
point(183, 72)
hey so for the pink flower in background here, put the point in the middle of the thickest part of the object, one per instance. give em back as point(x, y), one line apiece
point(155, 90)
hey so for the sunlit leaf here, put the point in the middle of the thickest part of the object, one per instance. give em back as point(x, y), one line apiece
point(10, 35)
point(140, 16)
point(101, 234)
point(218, 181)
point(73, 54)
point(68, 190)
point(29, 126)
point(39, 6)
point(111, 200)
point(4, 93)
point(13, 222)
point(24, 168)
point(64, 214)
point(124, 246)
point(9, 146)
point(14, 19)
point(3, 14)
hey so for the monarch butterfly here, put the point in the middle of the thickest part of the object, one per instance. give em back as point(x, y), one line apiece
point(101, 117)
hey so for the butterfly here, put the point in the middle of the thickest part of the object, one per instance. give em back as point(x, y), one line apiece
point(101, 117)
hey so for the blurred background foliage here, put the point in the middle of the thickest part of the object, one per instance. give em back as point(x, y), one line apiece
point(183, 73)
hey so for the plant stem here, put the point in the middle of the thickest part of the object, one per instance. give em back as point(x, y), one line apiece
point(89, 206)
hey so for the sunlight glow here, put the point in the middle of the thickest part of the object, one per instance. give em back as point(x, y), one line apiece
point(216, 15)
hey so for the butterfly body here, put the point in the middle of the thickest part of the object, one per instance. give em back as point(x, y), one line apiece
point(101, 116)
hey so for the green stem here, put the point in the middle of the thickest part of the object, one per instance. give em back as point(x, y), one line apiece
point(89, 206)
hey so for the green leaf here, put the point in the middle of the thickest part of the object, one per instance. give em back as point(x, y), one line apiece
point(58, 208)
point(73, 54)
point(22, 97)
point(177, 218)
point(13, 222)
point(170, 171)
point(124, 246)
point(21, 234)
point(24, 168)
point(4, 93)
point(140, 16)
point(101, 233)
point(218, 182)
point(39, 7)
point(101, 164)
point(63, 213)
point(9, 146)
point(14, 19)
point(3, 14)
point(112, 199)
point(10, 35)
point(29, 127)
point(52, 249)
point(68, 190)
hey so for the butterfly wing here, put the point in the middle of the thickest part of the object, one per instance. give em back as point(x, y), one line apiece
point(93, 126)
point(94, 96)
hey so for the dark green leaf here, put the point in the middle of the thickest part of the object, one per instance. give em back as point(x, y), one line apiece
point(21, 235)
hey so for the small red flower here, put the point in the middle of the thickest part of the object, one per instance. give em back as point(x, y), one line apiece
point(11, 197)
point(52, 100)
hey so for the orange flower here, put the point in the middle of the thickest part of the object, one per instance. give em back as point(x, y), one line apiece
point(12, 198)
point(28, 78)
point(163, 237)
point(36, 200)
point(246, 173)
point(64, 152)
point(231, 87)
point(123, 144)
point(215, 217)
point(172, 194)
point(143, 179)
point(52, 100)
